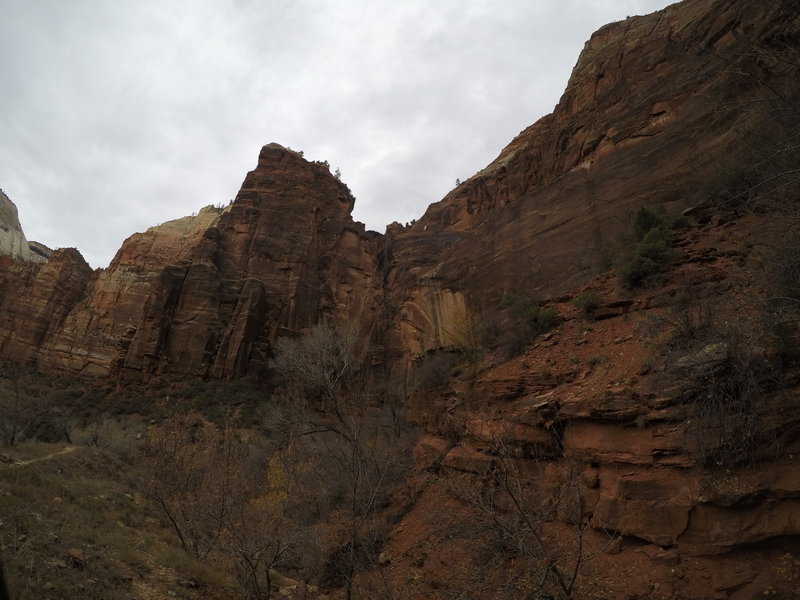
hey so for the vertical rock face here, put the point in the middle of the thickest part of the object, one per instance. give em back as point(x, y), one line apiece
point(652, 106)
point(649, 110)
point(204, 295)
point(37, 288)
point(12, 239)
point(35, 301)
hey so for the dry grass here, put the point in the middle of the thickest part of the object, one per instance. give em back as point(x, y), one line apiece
point(71, 525)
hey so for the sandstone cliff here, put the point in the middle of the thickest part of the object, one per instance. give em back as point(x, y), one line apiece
point(655, 107)
point(12, 239)
point(204, 295)
point(659, 427)
point(651, 110)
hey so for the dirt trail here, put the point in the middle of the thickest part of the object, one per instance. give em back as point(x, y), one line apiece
point(18, 463)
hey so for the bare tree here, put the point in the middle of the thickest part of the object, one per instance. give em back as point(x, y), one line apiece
point(356, 427)
point(260, 527)
point(21, 408)
point(320, 365)
point(523, 524)
point(227, 495)
point(188, 469)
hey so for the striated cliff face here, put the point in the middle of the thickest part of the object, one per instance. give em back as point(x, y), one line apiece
point(653, 106)
point(36, 299)
point(654, 429)
point(655, 438)
point(204, 295)
point(12, 240)
point(650, 110)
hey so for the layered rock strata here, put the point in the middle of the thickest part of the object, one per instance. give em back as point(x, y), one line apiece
point(655, 113)
point(617, 429)
point(656, 107)
point(653, 107)
point(205, 295)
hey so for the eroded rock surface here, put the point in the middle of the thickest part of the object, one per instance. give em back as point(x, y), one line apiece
point(12, 239)
point(204, 295)
point(651, 109)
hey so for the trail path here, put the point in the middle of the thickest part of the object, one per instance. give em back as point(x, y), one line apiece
point(19, 463)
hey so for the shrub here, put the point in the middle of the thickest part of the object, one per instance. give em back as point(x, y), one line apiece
point(639, 268)
point(727, 422)
point(196, 570)
point(433, 369)
point(649, 257)
point(646, 220)
point(588, 302)
point(597, 359)
point(541, 320)
point(467, 334)
point(782, 314)
point(654, 245)
point(687, 318)
point(522, 320)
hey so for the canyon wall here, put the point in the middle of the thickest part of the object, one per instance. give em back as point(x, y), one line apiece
point(204, 295)
point(649, 112)
point(652, 112)
point(12, 239)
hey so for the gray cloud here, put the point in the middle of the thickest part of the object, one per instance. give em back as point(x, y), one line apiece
point(115, 116)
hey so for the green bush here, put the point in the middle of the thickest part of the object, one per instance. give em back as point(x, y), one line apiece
point(588, 302)
point(654, 245)
point(646, 220)
point(639, 268)
point(652, 251)
point(541, 320)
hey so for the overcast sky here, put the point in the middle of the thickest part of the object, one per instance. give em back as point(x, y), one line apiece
point(119, 115)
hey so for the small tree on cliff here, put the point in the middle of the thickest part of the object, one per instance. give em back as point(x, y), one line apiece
point(467, 334)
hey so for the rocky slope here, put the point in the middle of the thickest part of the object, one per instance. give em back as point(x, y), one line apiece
point(657, 426)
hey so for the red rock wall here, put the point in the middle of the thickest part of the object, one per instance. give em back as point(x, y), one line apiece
point(204, 295)
point(646, 115)
point(651, 111)
point(35, 300)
